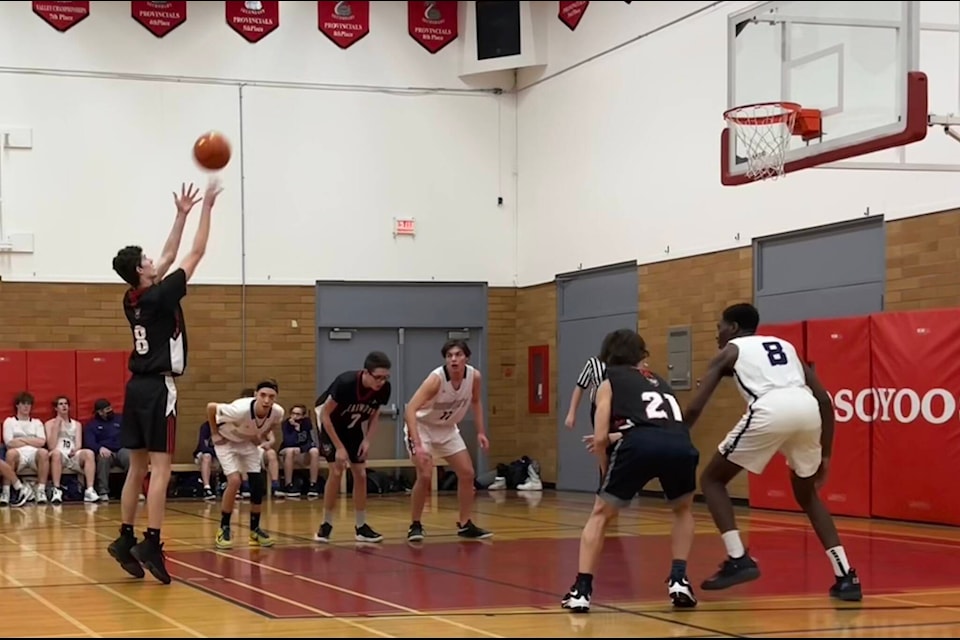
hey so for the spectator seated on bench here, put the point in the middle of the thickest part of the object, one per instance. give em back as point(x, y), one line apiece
point(102, 436)
point(26, 443)
point(299, 447)
point(65, 443)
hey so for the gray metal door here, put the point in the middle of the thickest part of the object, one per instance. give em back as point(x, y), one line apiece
point(421, 355)
point(577, 469)
point(340, 350)
point(590, 304)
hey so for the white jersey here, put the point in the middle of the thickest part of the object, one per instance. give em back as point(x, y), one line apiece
point(238, 421)
point(764, 364)
point(450, 405)
point(66, 439)
point(14, 428)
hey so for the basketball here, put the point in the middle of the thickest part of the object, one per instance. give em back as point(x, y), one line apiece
point(212, 151)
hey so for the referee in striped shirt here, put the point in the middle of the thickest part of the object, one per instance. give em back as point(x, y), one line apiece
point(592, 375)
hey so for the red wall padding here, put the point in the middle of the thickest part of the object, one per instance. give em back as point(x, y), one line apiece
point(772, 489)
point(13, 380)
point(916, 432)
point(50, 374)
point(839, 351)
point(100, 374)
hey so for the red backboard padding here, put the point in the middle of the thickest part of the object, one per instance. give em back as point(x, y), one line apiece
point(772, 489)
point(916, 431)
point(50, 374)
point(839, 351)
point(100, 374)
point(13, 380)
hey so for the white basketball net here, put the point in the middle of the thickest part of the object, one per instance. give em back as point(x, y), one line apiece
point(763, 133)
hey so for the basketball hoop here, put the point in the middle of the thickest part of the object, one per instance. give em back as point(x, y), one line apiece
point(763, 132)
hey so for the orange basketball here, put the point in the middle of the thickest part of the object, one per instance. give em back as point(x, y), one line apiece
point(212, 151)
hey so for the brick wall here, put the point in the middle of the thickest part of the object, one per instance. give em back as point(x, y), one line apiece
point(692, 292)
point(922, 262)
point(32, 317)
point(922, 255)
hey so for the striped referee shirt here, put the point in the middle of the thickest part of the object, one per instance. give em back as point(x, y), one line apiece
point(592, 376)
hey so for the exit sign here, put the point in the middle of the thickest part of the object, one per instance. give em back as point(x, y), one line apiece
point(404, 227)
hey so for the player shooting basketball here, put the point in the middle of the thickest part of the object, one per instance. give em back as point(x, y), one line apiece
point(237, 429)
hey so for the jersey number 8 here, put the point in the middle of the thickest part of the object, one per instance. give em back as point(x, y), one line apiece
point(775, 353)
point(140, 344)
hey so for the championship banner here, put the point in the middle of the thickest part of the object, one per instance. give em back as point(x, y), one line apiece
point(62, 16)
point(571, 13)
point(432, 24)
point(344, 23)
point(773, 489)
point(253, 20)
point(916, 430)
point(838, 350)
point(159, 18)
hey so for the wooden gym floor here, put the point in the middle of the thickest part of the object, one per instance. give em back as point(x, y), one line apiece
point(56, 579)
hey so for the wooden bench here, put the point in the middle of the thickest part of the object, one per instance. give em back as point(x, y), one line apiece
point(392, 463)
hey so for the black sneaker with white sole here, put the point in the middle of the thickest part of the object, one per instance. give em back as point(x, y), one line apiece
point(576, 600)
point(366, 533)
point(847, 588)
point(733, 571)
point(323, 534)
point(681, 593)
point(472, 531)
point(415, 533)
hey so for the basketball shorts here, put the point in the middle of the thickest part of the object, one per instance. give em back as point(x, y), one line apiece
point(351, 439)
point(645, 453)
point(238, 457)
point(28, 459)
point(149, 414)
point(68, 463)
point(784, 420)
point(439, 443)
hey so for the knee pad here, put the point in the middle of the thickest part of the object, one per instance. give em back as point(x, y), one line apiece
point(258, 487)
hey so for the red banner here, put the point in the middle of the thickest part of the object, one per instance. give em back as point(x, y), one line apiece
point(62, 16)
point(571, 13)
point(916, 432)
point(839, 351)
point(159, 18)
point(772, 488)
point(344, 23)
point(254, 21)
point(432, 24)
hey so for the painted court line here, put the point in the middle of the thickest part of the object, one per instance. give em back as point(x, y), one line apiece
point(49, 605)
point(170, 621)
point(362, 596)
point(300, 605)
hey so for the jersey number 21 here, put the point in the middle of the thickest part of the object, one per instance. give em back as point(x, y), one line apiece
point(662, 406)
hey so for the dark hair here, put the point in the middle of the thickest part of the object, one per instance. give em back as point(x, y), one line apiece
point(24, 397)
point(126, 263)
point(248, 392)
point(269, 383)
point(376, 360)
point(744, 315)
point(455, 343)
point(623, 347)
point(57, 400)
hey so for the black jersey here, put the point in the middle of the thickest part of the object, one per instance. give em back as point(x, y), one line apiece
point(156, 321)
point(641, 399)
point(355, 403)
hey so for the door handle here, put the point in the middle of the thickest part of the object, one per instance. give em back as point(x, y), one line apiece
point(389, 411)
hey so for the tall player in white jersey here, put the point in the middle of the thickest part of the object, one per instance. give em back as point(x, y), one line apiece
point(789, 411)
point(431, 430)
